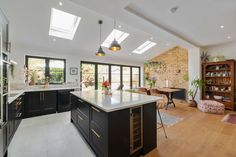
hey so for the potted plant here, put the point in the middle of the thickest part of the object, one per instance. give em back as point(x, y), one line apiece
point(192, 92)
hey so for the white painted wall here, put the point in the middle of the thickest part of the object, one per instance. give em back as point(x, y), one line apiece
point(72, 60)
point(228, 50)
point(194, 66)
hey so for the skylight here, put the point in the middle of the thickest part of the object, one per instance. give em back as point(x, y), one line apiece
point(120, 37)
point(63, 24)
point(144, 47)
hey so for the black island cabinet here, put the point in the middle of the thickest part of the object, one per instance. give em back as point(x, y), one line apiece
point(129, 132)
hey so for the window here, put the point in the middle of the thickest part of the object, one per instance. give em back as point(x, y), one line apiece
point(56, 71)
point(126, 77)
point(63, 25)
point(93, 74)
point(103, 74)
point(42, 70)
point(119, 35)
point(115, 77)
point(135, 77)
point(144, 47)
point(88, 76)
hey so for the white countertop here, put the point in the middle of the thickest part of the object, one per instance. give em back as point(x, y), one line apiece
point(14, 94)
point(117, 101)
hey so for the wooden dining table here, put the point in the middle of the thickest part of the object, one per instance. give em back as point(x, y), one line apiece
point(169, 92)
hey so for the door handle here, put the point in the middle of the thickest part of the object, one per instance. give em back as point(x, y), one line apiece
point(95, 109)
point(80, 101)
point(80, 117)
point(95, 133)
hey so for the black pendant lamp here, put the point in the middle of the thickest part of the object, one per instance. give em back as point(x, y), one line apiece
point(100, 51)
point(115, 46)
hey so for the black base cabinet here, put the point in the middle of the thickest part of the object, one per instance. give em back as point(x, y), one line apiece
point(63, 100)
point(40, 103)
point(108, 133)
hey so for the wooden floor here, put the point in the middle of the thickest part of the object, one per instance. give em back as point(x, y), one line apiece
point(198, 135)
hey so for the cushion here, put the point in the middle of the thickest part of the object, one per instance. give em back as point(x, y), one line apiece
point(211, 106)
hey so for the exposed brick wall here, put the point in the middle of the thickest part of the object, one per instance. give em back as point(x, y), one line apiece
point(175, 66)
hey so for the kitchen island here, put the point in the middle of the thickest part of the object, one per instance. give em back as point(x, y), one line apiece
point(119, 125)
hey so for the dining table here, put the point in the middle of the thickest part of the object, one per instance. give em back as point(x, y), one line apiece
point(168, 92)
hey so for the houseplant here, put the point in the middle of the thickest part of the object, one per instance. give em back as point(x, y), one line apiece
point(192, 92)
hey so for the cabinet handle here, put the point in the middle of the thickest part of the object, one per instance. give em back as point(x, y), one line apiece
point(80, 117)
point(95, 109)
point(95, 133)
point(80, 101)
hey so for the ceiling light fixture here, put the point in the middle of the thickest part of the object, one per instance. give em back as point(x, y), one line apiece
point(144, 47)
point(60, 3)
point(54, 40)
point(100, 51)
point(228, 37)
point(174, 9)
point(222, 27)
point(115, 46)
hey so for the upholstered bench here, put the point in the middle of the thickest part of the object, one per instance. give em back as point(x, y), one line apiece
point(211, 106)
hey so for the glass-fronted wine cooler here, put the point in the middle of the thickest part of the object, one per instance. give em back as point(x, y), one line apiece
point(136, 129)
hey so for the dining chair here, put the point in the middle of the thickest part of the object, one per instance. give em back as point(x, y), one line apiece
point(155, 92)
point(143, 90)
point(162, 125)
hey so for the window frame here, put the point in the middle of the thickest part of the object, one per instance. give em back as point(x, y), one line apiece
point(47, 68)
point(109, 74)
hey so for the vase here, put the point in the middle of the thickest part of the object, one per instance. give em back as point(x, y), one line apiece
point(106, 92)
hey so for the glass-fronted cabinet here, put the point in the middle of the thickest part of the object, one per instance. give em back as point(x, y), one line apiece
point(4, 64)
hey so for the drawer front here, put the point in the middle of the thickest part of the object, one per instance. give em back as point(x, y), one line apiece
point(99, 117)
point(98, 140)
point(83, 124)
point(83, 107)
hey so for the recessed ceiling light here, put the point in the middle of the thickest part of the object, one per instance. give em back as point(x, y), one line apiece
point(222, 27)
point(144, 47)
point(119, 36)
point(119, 26)
point(63, 24)
point(174, 9)
point(151, 38)
point(60, 3)
point(54, 39)
point(228, 37)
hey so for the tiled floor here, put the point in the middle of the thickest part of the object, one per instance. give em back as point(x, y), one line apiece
point(48, 136)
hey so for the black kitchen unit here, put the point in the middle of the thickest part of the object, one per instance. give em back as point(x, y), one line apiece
point(4, 59)
point(63, 100)
point(40, 103)
point(120, 133)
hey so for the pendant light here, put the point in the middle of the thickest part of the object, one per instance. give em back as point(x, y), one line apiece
point(115, 46)
point(100, 51)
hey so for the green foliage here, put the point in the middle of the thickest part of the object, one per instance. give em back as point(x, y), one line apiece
point(56, 75)
point(195, 85)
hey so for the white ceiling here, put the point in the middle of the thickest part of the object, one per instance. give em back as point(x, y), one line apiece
point(30, 24)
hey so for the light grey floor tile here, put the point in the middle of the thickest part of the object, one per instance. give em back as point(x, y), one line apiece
point(48, 136)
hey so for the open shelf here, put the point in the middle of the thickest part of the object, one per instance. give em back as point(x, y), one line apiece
point(220, 81)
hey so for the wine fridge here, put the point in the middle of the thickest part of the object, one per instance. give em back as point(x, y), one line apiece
point(136, 129)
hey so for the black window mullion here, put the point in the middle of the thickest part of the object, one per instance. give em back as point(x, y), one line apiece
point(121, 77)
point(131, 77)
point(109, 74)
point(96, 76)
point(47, 69)
point(139, 73)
